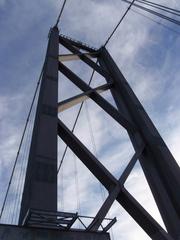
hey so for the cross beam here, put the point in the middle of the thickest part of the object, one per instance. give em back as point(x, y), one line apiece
point(83, 57)
point(77, 44)
point(70, 57)
point(70, 102)
point(112, 111)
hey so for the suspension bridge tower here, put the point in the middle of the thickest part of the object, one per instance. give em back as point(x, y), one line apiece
point(39, 217)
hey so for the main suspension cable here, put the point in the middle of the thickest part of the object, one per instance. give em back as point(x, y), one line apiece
point(177, 22)
point(162, 8)
point(60, 14)
point(160, 5)
point(153, 20)
point(120, 21)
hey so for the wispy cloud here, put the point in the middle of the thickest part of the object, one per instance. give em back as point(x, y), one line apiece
point(146, 53)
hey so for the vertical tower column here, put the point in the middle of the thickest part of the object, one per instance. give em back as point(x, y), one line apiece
point(159, 166)
point(40, 189)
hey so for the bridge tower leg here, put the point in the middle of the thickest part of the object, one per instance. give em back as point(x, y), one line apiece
point(40, 189)
point(159, 166)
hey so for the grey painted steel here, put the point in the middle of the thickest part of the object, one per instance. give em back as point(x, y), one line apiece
point(160, 167)
point(112, 111)
point(140, 215)
point(9, 232)
point(143, 133)
point(95, 224)
point(110, 225)
point(78, 44)
point(83, 57)
point(70, 102)
point(90, 161)
point(49, 219)
point(40, 189)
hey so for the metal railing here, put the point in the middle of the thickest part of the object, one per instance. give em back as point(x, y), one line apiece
point(63, 220)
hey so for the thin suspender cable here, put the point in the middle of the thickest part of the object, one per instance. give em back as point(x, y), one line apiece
point(62, 191)
point(19, 170)
point(17, 177)
point(21, 141)
point(77, 183)
point(60, 14)
point(23, 164)
point(25, 161)
point(22, 138)
point(120, 21)
point(25, 158)
point(77, 117)
point(93, 145)
point(95, 152)
point(151, 19)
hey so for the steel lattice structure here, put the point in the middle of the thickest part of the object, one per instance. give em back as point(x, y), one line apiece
point(159, 166)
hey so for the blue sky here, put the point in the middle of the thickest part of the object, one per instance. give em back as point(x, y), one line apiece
point(148, 56)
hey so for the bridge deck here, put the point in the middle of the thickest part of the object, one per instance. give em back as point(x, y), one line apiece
point(10, 232)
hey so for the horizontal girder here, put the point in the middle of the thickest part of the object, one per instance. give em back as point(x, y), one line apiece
point(109, 108)
point(70, 57)
point(77, 44)
point(84, 58)
point(70, 102)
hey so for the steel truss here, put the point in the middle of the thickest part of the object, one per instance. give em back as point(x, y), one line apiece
point(159, 166)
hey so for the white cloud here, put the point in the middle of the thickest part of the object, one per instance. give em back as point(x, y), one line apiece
point(135, 39)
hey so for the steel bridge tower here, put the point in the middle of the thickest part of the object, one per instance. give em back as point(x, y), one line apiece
point(39, 200)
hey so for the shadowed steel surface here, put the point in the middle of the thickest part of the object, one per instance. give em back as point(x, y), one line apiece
point(95, 224)
point(8, 232)
point(40, 189)
point(83, 57)
point(78, 44)
point(62, 220)
point(158, 164)
point(142, 217)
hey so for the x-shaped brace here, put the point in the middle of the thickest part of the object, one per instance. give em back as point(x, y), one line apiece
point(115, 187)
